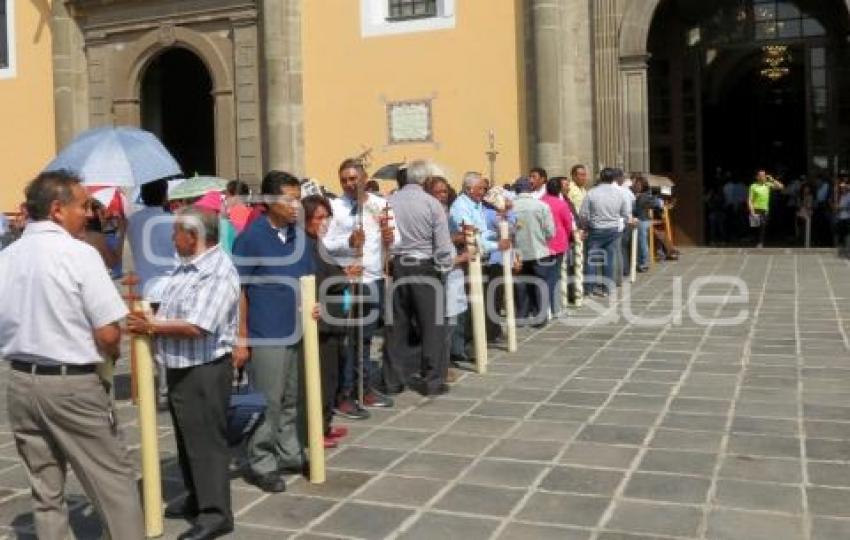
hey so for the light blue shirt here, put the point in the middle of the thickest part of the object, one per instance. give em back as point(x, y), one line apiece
point(465, 210)
point(493, 220)
point(149, 231)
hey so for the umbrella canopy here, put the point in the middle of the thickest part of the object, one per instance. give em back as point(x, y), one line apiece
point(116, 156)
point(656, 181)
point(389, 171)
point(197, 186)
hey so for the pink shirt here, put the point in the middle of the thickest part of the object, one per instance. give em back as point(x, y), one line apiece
point(563, 218)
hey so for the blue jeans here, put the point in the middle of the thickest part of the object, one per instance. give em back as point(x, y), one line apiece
point(602, 246)
point(643, 243)
point(553, 279)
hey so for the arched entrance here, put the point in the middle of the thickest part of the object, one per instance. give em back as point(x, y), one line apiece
point(178, 106)
point(738, 85)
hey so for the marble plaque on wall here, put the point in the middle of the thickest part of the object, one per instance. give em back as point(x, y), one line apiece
point(409, 122)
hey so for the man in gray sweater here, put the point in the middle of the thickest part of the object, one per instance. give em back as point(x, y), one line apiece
point(535, 227)
point(601, 215)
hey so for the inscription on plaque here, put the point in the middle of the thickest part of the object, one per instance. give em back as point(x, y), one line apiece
point(409, 121)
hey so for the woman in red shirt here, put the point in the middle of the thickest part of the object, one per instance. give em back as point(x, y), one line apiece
point(560, 243)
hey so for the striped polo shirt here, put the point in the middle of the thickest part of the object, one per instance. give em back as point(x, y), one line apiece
point(204, 292)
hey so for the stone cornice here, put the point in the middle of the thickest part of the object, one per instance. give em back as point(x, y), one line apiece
point(116, 16)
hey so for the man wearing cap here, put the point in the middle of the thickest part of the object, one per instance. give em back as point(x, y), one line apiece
point(64, 323)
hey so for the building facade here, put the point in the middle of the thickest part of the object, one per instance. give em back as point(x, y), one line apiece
point(675, 87)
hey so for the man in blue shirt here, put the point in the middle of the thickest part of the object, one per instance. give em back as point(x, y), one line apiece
point(271, 256)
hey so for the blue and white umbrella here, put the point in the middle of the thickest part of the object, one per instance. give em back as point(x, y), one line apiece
point(116, 156)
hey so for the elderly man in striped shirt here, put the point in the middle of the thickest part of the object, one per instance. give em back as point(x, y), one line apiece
point(195, 330)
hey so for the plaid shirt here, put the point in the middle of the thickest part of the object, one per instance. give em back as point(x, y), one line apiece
point(203, 292)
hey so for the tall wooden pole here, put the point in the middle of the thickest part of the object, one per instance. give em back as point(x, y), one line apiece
point(476, 299)
point(508, 284)
point(312, 381)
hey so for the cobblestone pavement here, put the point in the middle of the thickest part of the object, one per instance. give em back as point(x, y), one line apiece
point(612, 431)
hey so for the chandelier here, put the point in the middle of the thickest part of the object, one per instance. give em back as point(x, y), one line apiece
point(775, 59)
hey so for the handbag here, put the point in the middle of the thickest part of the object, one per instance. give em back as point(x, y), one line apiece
point(755, 221)
point(246, 411)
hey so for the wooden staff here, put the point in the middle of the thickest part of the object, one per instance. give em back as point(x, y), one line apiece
point(668, 229)
point(651, 237)
point(476, 298)
point(508, 285)
point(312, 381)
point(633, 256)
point(142, 350)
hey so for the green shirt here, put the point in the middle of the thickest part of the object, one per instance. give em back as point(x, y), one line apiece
point(760, 196)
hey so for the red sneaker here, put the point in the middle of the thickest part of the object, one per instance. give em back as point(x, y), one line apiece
point(330, 443)
point(337, 432)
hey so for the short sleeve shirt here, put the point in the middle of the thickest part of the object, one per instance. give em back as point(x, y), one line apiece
point(61, 293)
point(760, 196)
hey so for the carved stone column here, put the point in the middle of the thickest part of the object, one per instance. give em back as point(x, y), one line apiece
point(70, 75)
point(282, 85)
point(636, 112)
point(547, 31)
point(609, 132)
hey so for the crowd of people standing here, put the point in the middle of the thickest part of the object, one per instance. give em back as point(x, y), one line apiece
point(221, 276)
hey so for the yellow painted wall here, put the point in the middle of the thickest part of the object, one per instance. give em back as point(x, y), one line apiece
point(474, 71)
point(27, 130)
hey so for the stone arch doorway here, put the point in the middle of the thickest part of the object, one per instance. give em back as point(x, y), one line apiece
point(177, 105)
point(695, 99)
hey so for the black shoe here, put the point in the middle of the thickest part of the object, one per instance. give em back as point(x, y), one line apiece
point(270, 483)
point(391, 390)
point(207, 531)
point(421, 387)
point(349, 408)
point(376, 399)
point(183, 509)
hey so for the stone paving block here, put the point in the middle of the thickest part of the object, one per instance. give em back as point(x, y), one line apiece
point(626, 418)
point(495, 473)
point(434, 525)
point(482, 426)
point(828, 450)
point(563, 413)
point(765, 426)
point(394, 439)
point(647, 388)
point(446, 404)
point(338, 485)
point(828, 501)
point(364, 459)
point(422, 420)
point(452, 443)
point(694, 422)
point(830, 529)
point(651, 375)
point(286, 511)
point(668, 488)
point(246, 532)
point(522, 395)
point(527, 531)
point(699, 405)
point(502, 409)
point(402, 491)
point(767, 410)
point(700, 441)
point(762, 445)
point(829, 474)
point(762, 469)
point(580, 399)
point(478, 499)
point(759, 496)
point(599, 455)
point(642, 403)
point(545, 431)
point(641, 517)
point(348, 520)
point(427, 465)
point(613, 434)
point(564, 509)
point(589, 385)
point(731, 525)
point(582, 481)
point(525, 451)
point(671, 461)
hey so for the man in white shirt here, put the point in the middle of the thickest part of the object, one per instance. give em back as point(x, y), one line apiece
point(624, 185)
point(344, 241)
point(64, 323)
